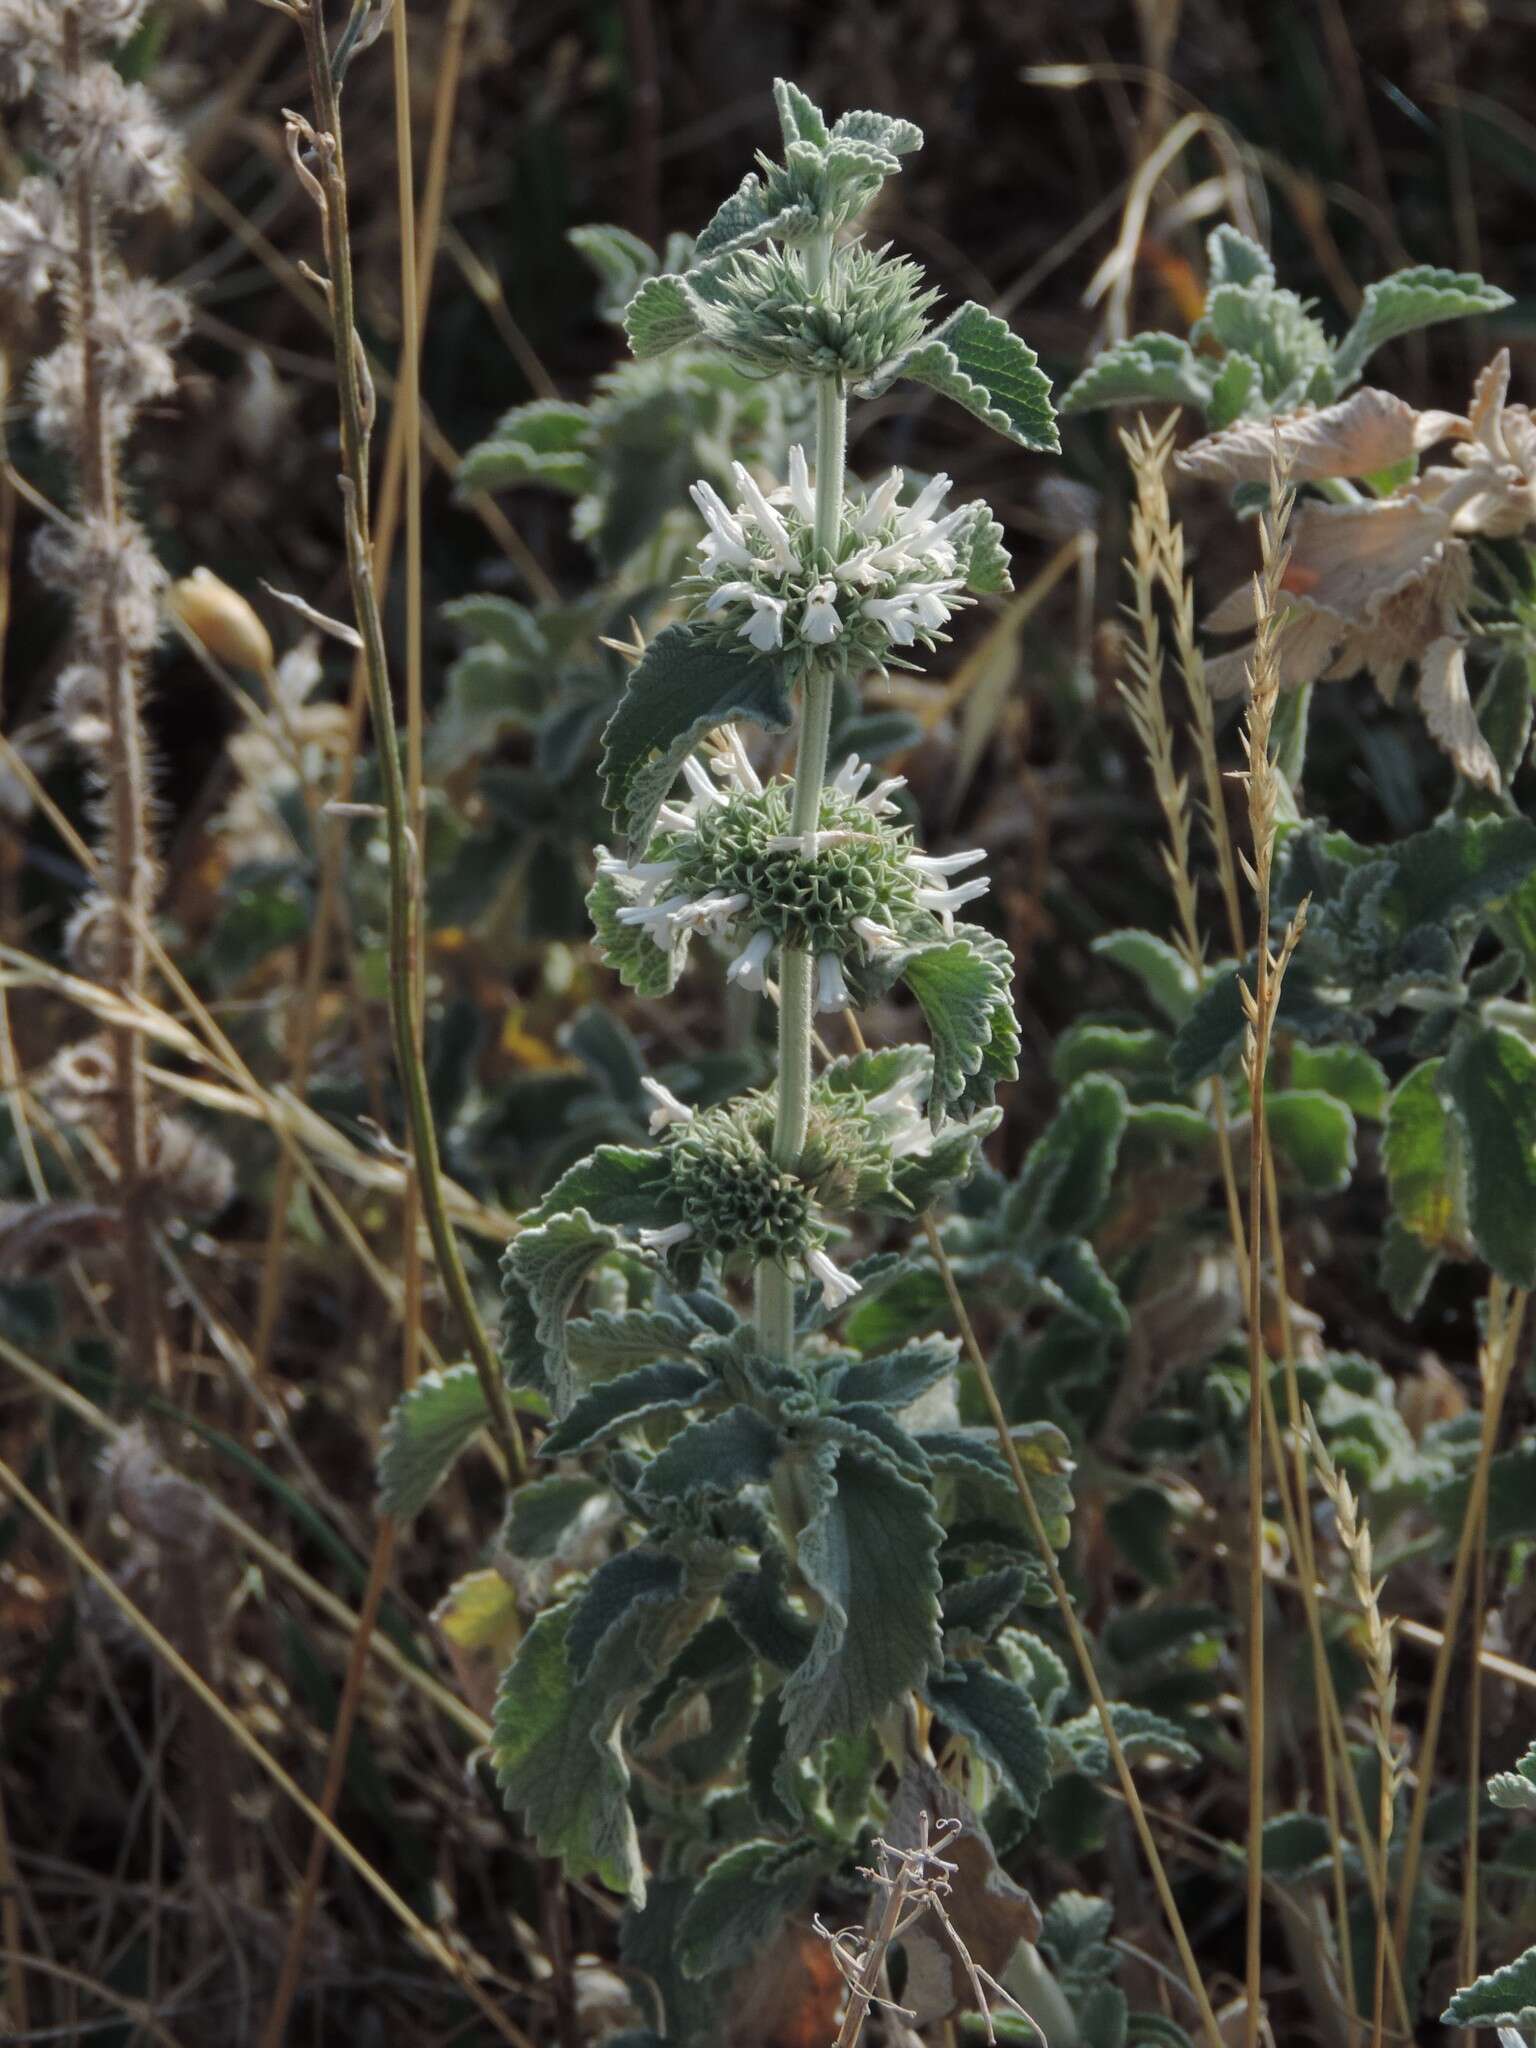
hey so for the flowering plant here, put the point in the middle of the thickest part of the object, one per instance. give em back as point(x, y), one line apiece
point(782, 1552)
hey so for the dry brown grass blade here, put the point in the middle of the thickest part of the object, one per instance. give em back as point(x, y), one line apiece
point(424, 1936)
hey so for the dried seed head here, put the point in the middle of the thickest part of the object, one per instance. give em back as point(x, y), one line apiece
point(110, 134)
point(79, 1079)
point(108, 572)
point(29, 44)
point(34, 240)
point(80, 705)
point(223, 620)
point(155, 1501)
point(193, 1178)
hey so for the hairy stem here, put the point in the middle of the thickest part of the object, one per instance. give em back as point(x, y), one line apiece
point(130, 860)
point(775, 1288)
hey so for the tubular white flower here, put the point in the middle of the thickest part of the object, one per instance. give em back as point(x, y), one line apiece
point(747, 969)
point(945, 863)
point(945, 902)
point(798, 491)
point(836, 1287)
point(765, 629)
point(851, 777)
point(877, 938)
point(725, 544)
point(699, 780)
point(655, 919)
point(676, 818)
point(879, 504)
point(642, 879)
point(663, 1240)
point(668, 1109)
point(769, 524)
point(831, 989)
point(879, 798)
point(745, 775)
point(819, 622)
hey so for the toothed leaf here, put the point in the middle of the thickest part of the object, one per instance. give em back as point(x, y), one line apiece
point(1148, 369)
point(428, 1427)
point(1406, 301)
point(978, 361)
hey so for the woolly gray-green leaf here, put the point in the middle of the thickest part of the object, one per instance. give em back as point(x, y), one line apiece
point(556, 1750)
point(685, 685)
point(870, 1550)
point(1003, 1723)
point(663, 1388)
point(541, 443)
point(1503, 1998)
point(899, 1377)
point(427, 1429)
point(1490, 1077)
point(1071, 1276)
point(1065, 1180)
point(1161, 969)
point(1231, 258)
point(615, 1184)
point(541, 1511)
point(661, 316)
point(742, 1900)
point(610, 1340)
point(1406, 301)
point(1315, 1134)
point(617, 1596)
point(1148, 369)
point(716, 1457)
point(958, 990)
point(547, 1265)
point(649, 969)
point(978, 361)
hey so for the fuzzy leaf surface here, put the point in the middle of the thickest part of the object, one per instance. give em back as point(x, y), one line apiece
point(662, 1388)
point(978, 361)
point(1406, 301)
point(428, 1427)
point(1491, 1079)
point(1002, 1721)
point(1148, 369)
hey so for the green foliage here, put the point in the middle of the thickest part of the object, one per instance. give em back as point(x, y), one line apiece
point(976, 359)
point(1490, 1079)
point(430, 1425)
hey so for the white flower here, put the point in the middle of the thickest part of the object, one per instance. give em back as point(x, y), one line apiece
point(798, 490)
point(733, 762)
point(643, 879)
point(831, 989)
point(919, 608)
point(900, 1107)
point(879, 798)
point(668, 1109)
point(819, 622)
point(851, 777)
point(878, 938)
point(663, 1240)
point(725, 544)
point(879, 504)
point(769, 524)
point(765, 629)
point(947, 863)
point(836, 1287)
point(945, 902)
point(746, 970)
point(698, 779)
point(713, 911)
point(655, 919)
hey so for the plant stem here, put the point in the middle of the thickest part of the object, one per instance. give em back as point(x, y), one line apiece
point(404, 853)
point(130, 862)
point(775, 1288)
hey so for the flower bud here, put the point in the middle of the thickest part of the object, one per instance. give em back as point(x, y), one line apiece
point(223, 620)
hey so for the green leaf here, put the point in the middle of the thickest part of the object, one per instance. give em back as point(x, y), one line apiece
point(1148, 369)
point(1239, 385)
point(800, 119)
point(632, 954)
point(1511, 1509)
point(978, 361)
point(979, 1605)
point(957, 989)
point(618, 1404)
point(616, 1597)
point(1093, 1046)
point(557, 1755)
point(615, 1184)
point(1347, 1072)
point(1273, 329)
point(741, 1902)
point(546, 443)
point(1491, 1079)
point(542, 1510)
point(489, 692)
point(1070, 1276)
point(1515, 1791)
point(1161, 969)
point(1003, 1723)
point(662, 316)
point(1066, 1176)
point(1408, 300)
point(870, 1551)
point(1419, 1152)
point(428, 1427)
point(884, 131)
point(1407, 1267)
point(978, 543)
point(543, 1271)
point(1504, 1998)
point(619, 259)
point(1231, 258)
point(899, 1377)
point(686, 684)
point(716, 1457)
point(759, 1606)
point(1296, 1846)
point(1140, 1733)
point(610, 1340)
point(1314, 1133)
point(512, 626)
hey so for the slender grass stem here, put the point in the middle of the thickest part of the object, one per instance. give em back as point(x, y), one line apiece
point(329, 177)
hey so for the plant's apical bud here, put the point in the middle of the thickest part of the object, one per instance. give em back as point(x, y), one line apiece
point(223, 620)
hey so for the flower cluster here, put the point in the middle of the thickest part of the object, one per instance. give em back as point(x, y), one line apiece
point(725, 863)
point(730, 1196)
point(762, 309)
point(892, 580)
